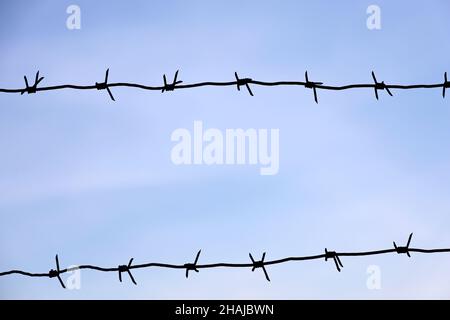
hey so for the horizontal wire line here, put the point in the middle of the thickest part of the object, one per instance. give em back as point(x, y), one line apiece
point(253, 264)
point(178, 85)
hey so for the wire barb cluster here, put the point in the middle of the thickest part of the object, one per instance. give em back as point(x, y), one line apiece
point(259, 264)
point(104, 85)
point(56, 273)
point(380, 86)
point(170, 86)
point(243, 82)
point(333, 255)
point(312, 85)
point(255, 264)
point(192, 266)
point(126, 268)
point(404, 249)
point(239, 82)
point(446, 85)
point(33, 88)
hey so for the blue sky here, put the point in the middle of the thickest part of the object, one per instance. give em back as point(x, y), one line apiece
point(92, 180)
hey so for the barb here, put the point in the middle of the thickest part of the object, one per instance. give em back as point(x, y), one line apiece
point(55, 273)
point(404, 249)
point(192, 266)
point(33, 88)
point(239, 82)
point(333, 255)
point(104, 85)
point(170, 86)
point(259, 264)
point(126, 268)
point(253, 264)
point(445, 85)
point(312, 85)
point(380, 86)
point(243, 82)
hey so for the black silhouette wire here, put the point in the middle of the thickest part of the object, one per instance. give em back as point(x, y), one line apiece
point(446, 85)
point(259, 264)
point(170, 86)
point(253, 265)
point(192, 266)
point(380, 86)
point(176, 84)
point(404, 249)
point(312, 85)
point(104, 85)
point(335, 256)
point(243, 82)
point(56, 273)
point(33, 88)
point(126, 268)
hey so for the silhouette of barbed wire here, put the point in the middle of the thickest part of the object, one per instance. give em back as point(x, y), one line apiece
point(238, 82)
point(253, 264)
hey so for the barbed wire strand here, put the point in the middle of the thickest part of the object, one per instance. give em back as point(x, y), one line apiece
point(254, 264)
point(178, 85)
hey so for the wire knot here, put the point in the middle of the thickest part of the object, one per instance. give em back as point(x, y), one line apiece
point(101, 86)
point(31, 89)
point(170, 86)
point(243, 82)
point(123, 268)
point(192, 266)
point(104, 85)
point(380, 86)
point(312, 85)
point(405, 249)
point(333, 255)
point(126, 268)
point(259, 264)
point(55, 273)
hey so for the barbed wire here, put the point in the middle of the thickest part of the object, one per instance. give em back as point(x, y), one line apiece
point(239, 82)
point(254, 264)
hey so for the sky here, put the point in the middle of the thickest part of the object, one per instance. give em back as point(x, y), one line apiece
point(92, 180)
